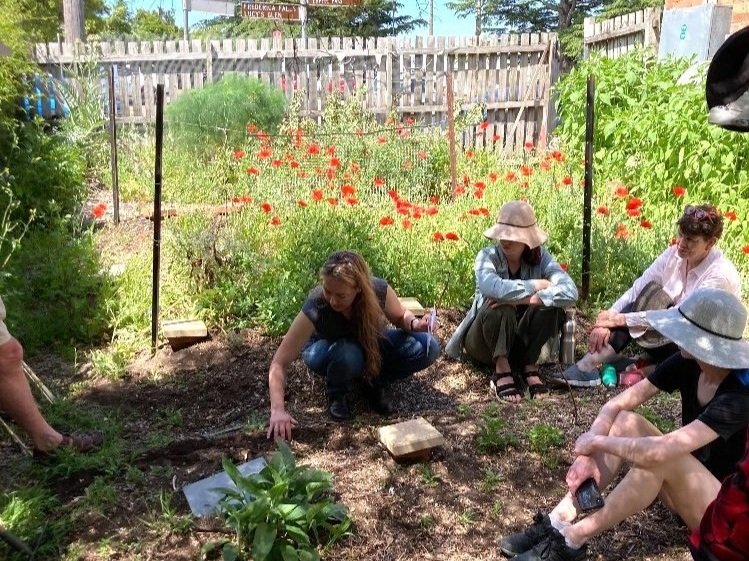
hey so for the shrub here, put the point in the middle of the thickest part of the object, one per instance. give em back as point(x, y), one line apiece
point(219, 113)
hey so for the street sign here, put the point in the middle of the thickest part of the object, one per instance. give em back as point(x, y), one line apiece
point(265, 10)
point(222, 7)
point(333, 3)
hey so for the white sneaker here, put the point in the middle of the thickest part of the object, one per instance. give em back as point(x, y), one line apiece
point(735, 114)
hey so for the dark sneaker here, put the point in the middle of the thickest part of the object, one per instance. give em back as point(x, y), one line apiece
point(575, 377)
point(339, 409)
point(553, 548)
point(379, 401)
point(515, 544)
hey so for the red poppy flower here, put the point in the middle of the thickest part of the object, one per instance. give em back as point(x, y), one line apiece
point(317, 195)
point(379, 181)
point(484, 125)
point(545, 165)
point(633, 212)
point(431, 211)
point(466, 179)
point(293, 164)
point(475, 212)
point(557, 155)
point(493, 176)
point(745, 249)
point(621, 191)
point(526, 171)
point(386, 221)
point(528, 146)
point(238, 154)
point(302, 203)
point(275, 221)
point(496, 137)
point(604, 210)
point(352, 201)
point(438, 237)
point(334, 162)
point(251, 128)
point(434, 199)
point(634, 203)
point(622, 233)
point(381, 140)
point(480, 185)
point(469, 154)
point(422, 154)
point(347, 190)
point(263, 136)
point(99, 210)
point(484, 211)
point(276, 163)
point(245, 199)
point(301, 173)
point(253, 171)
point(452, 236)
point(265, 153)
point(330, 174)
point(332, 201)
point(647, 224)
point(266, 207)
point(731, 215)
point(354, 168)
point(679, 191)
point(459, 190)
point(330, 150)
point(478, 193)
point(510, 176)
point(313, 149)
point(563, 266)
point(567, 180)
point(393, 195)
point(406, 223)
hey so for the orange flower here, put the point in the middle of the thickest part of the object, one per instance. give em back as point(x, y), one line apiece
point(496, 137)
point(302, 203)
point(352, 201)
point(634, 203)
point(493, 176)
point(238, 154)
point(379, 181)
point(422, 154)
point(621, 191)
point(510, 176)
point(334, 162)
point(478, 193)
point(330, 150)
point(480, 185)
point(265, 153)
point(484, 125)
point(386, 221)
point(354, 168)
point(647, 224)
point(406, 223)
point(545, 165)
point(431, 211)
point(528, 146)
point(266, 207)
point(330, 174)
point(557, 155)
point(252, 171)
point(679, 191)
point(313, 149)
point(317, 195)
point(381, 140)
point(563, 266)
point(293, 164)
point(745, 249)
point(332, 201)
point(604, 210)
point(633, 212)
point(731, 215)
point(99, 210)
point(459, 190)
point(469, 154)
point(452, 236)
point(275, 221)
point(622, 233)
point(245, 199)
point(567, 180)
point(276, 163)
point(347, 190)
point(526, 171)
point(393, 194)
point(251, 128)
point(434, 199)
point(438, 237)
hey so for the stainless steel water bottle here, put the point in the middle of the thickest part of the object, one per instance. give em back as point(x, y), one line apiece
point(567, 350)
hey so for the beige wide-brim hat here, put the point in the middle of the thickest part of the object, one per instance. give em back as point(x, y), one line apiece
point(709, 325)
point(516, 222)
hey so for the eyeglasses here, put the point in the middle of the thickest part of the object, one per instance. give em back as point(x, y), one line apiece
point(697, 212)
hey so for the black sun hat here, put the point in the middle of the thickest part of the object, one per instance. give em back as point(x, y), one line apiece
point(727, 81)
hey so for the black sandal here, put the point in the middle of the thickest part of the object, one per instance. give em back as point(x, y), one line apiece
point(535, 389)
point(505, 390)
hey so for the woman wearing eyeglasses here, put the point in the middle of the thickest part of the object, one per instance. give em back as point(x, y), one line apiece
point(693, 262)
point(342, 336)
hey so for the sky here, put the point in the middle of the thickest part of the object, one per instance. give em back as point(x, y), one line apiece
point(445, 22)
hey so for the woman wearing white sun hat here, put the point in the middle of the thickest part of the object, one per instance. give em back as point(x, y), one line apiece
point(683, 467)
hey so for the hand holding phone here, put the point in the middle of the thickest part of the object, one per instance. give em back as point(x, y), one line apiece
point(588, 496)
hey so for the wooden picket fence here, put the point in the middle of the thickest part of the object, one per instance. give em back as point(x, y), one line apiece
point(617, 36)
point(511, 76)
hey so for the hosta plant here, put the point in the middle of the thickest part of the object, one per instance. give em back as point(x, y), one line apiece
point(283, 513)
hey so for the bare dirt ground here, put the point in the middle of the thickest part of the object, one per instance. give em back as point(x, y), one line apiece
point(217, 391)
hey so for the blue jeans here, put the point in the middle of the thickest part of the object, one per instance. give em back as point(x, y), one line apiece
point(342, 361)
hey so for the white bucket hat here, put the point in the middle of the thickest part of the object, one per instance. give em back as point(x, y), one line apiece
point(709, 325)
point(516, 222)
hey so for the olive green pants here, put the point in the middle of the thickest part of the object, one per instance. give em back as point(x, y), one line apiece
point(499, 332)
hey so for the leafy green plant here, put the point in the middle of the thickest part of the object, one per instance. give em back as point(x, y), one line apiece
point(544, 438)
point(490, 481)
point(467, 517)
point(428, 477)
point(662, 423)
point(493, 435)
point(283, 512)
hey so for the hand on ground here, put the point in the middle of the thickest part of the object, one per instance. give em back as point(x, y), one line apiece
point(280, 425)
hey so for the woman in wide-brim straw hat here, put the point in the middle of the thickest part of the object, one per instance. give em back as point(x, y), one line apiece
point(518, 305)
point(684, 467)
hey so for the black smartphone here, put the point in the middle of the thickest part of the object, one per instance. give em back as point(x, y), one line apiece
point(588, 496)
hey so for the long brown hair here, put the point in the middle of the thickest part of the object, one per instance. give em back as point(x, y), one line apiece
point(366, 313)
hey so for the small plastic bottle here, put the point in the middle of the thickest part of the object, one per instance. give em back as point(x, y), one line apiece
point(609, 377)
point(567, 350)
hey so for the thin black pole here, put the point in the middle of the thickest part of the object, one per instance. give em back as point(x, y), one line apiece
point(157, 214)
point(588, 192)
point(113, 148)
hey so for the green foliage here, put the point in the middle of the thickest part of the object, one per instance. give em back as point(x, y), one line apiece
point(428, 477)
point(32, 514)
point(662, 423)
point(217, 114)
point(493, 436)
point(544, 438)
point(283, 512)
point(490, 481)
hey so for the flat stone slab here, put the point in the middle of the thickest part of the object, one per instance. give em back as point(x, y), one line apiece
point(182, 333)
point(410, 439)
point(203, 496)
point(412, 305)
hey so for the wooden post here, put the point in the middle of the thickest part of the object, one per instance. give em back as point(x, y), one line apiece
point(652, 28)
point(389, 76)
point(157, 215)
point(113, 147)
point(451, 131)
point(588, 192)
point(72, 11)
point(209, 62)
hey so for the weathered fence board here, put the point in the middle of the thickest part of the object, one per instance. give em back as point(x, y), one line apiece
point(619, 35)
point(510, 76)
